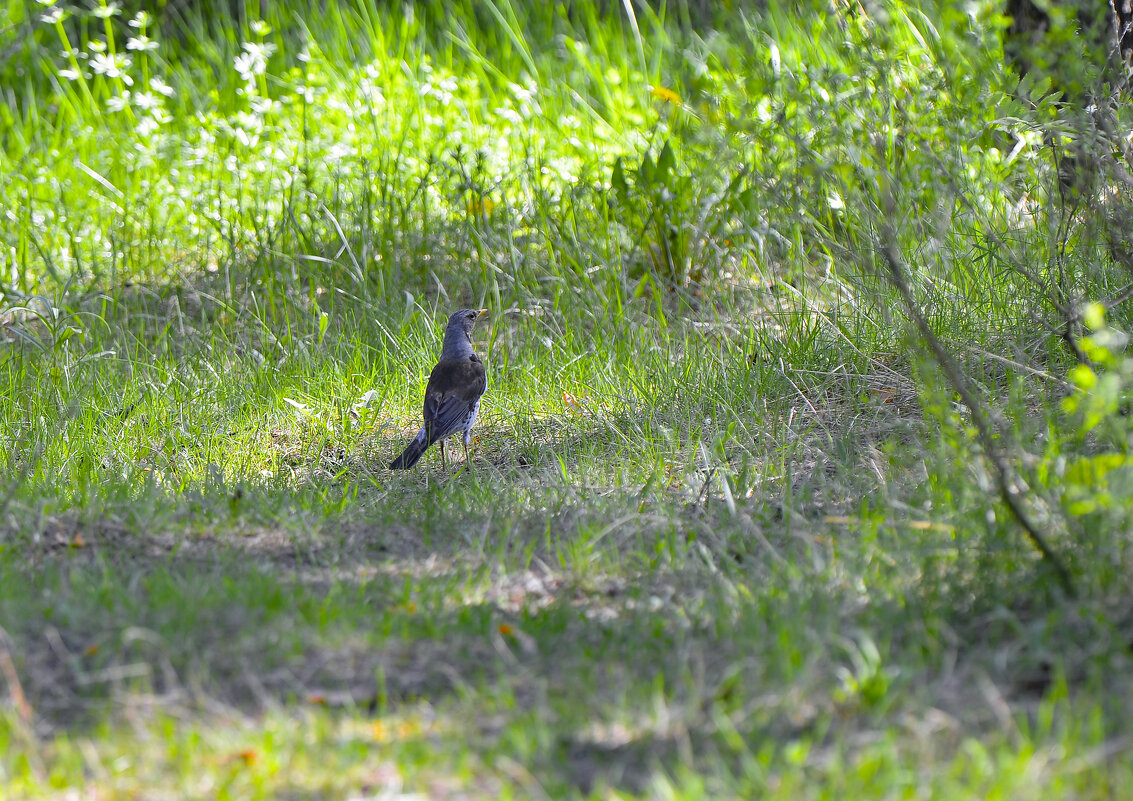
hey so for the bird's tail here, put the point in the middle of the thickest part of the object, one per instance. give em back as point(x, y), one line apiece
point(412, 452)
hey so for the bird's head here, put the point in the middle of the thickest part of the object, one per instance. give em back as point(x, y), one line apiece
point(464, 321)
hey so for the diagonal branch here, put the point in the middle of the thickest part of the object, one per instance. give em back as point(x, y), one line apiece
point(1008, 487)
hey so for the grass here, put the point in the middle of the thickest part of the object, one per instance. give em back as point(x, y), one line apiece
point(729, 530)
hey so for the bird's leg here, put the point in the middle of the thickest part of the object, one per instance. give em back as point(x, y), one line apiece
point(444, 461)
point(467, 458)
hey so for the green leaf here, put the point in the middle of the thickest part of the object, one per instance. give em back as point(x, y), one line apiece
point(618, 181)
point(647, 172)
point(666, 163)
point(1093, 314)
point(1082, 507)
point(1091, 471)
point(643, 286)
point(324, 321)
point(1083, 377)
point(67, 332)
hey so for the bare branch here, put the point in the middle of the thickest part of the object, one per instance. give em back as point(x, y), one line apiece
point(1005, 478)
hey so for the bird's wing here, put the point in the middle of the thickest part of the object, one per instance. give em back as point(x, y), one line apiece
point(453, 390)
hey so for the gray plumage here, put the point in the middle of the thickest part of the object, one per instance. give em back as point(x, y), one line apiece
point(452, 396)
point(458, 334)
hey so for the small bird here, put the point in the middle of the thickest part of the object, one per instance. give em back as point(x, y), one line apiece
point(452, 396)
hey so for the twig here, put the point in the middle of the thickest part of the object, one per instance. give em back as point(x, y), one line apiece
point(1020, 366)
point(15, 689)
point(1008, 489)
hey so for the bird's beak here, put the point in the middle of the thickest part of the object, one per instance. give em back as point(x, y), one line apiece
point(483, 313)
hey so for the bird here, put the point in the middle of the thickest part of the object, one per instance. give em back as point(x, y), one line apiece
point(452, 396)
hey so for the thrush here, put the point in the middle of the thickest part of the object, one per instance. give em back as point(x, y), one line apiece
point(452, 396)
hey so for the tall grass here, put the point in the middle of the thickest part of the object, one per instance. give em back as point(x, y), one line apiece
point(205, 217)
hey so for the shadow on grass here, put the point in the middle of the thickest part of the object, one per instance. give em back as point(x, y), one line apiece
point(516, 602)
point(496, 648)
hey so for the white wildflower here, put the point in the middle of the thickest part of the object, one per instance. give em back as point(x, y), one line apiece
point(245, 138)
point(160, 86)
point(146, 101)
point(245, 64)
point(564, 169)
point(69, 74)
point(112, 66)
point(262, 105)
point(53, 16)
point(372, 94)
point(259, 27)
point(119, 102)
point(339, 151)
point(443, 89)
point(146, 126)
point(140, 20)
point(524, 94)
point(141, 42)
point(254, 60)
point(107, 11)
point(509, 114)
point(248, 122)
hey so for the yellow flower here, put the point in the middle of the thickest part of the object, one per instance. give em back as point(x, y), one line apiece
point(481, 206)
point(668, 95)
point(395, 730)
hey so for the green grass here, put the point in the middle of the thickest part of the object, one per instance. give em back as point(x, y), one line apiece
point(729, 530)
